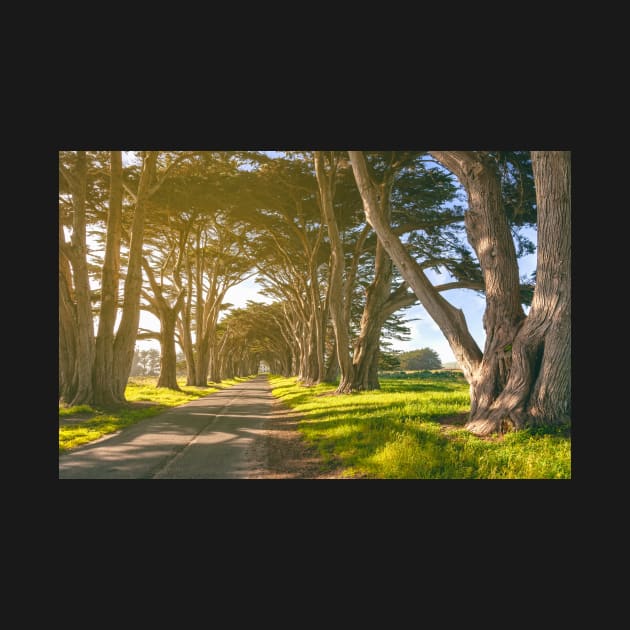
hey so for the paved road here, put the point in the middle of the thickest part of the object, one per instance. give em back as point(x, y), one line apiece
point(209, 438)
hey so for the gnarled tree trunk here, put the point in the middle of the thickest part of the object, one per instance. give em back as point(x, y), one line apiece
point(490, 236)
point(76, 253)
point(367, 345)
point(82, 294)
point(538, 390)
point(325, 180)
point(67, 328)
point(168, 355)
point(501, 385)
point(167, 315)
point(104, 359)
point(125, 342)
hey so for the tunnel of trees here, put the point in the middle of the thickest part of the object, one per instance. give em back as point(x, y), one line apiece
point(340, 243)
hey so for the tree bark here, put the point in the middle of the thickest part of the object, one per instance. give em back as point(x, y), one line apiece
point(332, 365)
point(82, 295)
point(523, 376)
point(104, 359)
point(67, 327)
point(184, 326)
point(167, 315)
point(168, 354)
point(538, 390)
point(325, 180)
point(490, 236)
point(125, 341)
point(367, 345)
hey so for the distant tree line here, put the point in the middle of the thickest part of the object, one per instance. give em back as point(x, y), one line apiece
point(422, 359)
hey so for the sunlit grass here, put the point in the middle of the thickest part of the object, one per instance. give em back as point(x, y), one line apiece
point(395, 433)
point(82, 410)
point(139, 390)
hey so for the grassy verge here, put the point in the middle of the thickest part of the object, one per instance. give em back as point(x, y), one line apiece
point(140, 390)
point(403, 432)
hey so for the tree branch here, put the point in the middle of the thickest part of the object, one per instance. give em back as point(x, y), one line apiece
point(67, 250)
point(68, 176)
point(411, 227)
point(147, 334)
point(164, 177)
point(463, 284)
point(131, 193)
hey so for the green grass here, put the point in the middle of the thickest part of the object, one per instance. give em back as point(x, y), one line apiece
point(395, 433)
point(142, 389)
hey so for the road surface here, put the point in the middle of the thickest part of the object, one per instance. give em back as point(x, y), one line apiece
point(209, 438)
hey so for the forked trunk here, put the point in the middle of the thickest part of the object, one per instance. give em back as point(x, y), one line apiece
point(490, 236)
point(84, 357)
point(523, 375)
point(367, 345)
point(67, 336)
point(538, 389)
point(103, 394)
point(326, 183)
point(128, 329)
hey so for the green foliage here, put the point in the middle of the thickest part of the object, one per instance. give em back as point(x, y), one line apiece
point(422, 359)
point(438, 374)
point(139, 389)
point(400, 432)
point(388, 361)
point(517, 184)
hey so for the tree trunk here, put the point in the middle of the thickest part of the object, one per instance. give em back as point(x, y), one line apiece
point(184, 326)
point(213, 371)
point(189, 355)
point(311, 375)
point(490, 236)
point(167, 314)
point(367, 345)
point(524, 375)
point(168, 356)
point(325, 180)
point(185, 340)
point(67, 330)
point(366, 354)
point(103, 393)
point(332, 366)
point(538, 390)
point(201, 365)
point(82, 294)
point(128, 329)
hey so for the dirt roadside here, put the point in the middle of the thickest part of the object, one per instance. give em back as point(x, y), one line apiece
point(282, 453)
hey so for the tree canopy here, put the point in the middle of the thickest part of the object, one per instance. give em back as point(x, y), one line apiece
point(341, 242)
point(421, 359)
